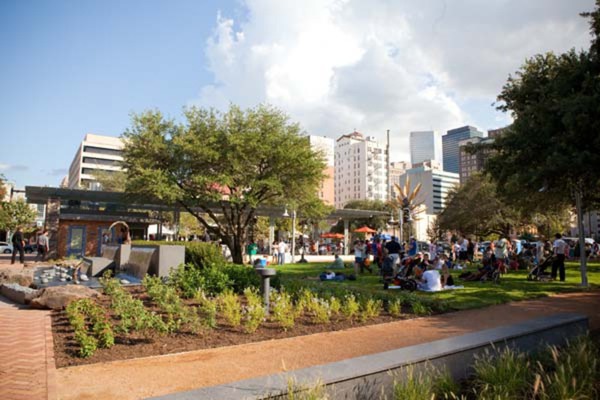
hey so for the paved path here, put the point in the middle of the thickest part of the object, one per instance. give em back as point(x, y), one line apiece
point(153, 376)
point(27, 369)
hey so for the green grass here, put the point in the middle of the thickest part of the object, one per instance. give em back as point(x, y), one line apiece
point(513, 287)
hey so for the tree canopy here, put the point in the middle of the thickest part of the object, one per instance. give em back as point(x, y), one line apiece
point(553, 146)
point(237, 160)
point(14, 214)
point(475, 209)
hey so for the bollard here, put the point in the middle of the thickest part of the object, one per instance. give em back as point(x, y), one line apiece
point(265, 274)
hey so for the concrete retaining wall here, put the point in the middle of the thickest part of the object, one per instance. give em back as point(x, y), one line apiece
point(365, 377)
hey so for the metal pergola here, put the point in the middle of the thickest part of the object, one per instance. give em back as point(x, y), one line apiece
point(126, 201)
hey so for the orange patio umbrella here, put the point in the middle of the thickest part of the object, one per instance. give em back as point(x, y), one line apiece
point(365, 229)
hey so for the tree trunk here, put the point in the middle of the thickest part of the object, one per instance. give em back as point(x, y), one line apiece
point(582, 257)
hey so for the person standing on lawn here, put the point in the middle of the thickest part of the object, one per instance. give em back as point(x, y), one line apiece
point(560, 249)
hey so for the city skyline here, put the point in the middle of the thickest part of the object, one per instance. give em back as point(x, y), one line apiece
point(75, 68)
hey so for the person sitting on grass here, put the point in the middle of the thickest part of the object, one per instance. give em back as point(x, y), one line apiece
point(446, 277)
point(431, 280)
point(338, 263)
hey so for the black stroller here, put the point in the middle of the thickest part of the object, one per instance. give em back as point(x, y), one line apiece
point(538, 272)
point(402, 280)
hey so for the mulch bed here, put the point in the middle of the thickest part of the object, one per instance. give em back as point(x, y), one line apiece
point(135, 345)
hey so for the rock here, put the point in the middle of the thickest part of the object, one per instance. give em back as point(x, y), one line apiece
point(44, 280)
point(17, 293)
point(58, 297)
point(84, 277)
point(125, 282)
point(24, 278)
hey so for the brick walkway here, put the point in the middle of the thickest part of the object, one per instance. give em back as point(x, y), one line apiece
point(27, 369)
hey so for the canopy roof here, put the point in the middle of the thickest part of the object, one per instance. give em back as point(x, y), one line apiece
point(40, 195)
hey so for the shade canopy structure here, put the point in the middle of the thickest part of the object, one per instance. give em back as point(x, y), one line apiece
point(329, 235)
point(77, 204)
point(365, 229)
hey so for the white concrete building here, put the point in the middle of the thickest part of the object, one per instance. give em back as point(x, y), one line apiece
point(424, 146)
point(435, 185)
point(361, 171)
point(95, 153)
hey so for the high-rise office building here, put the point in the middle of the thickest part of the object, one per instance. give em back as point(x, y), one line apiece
point(471, 163)
point(424, 146)
point(361, 171)
point(450, 146)
point(326, 146)
point(96, 153)
point(435, 185)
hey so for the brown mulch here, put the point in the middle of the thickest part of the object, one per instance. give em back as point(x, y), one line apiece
point(134, 345)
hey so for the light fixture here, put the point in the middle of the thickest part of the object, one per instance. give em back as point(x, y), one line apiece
point(285, 213)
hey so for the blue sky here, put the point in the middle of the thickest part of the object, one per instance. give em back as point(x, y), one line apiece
point(74, 67)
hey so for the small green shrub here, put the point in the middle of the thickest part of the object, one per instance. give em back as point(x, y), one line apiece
point(395, 308)
point(573, 373)
point(167, 299)
point(102, 334)
point(426, 384)
point(189, 279)
point(131, 312)
point(319, 310)
point(369, 309)
point(350, 306)
point(503, 374)
point(208, 308)
point(230, 307)
point(419, 308)
point(254, 311)
point(282, 309)
point(335, 305)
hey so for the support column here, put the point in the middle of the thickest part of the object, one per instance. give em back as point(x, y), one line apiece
point(346, 223)
point(271, 234)
point(52, 224)
point(177, 218)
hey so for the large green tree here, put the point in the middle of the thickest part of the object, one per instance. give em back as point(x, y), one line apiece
point(221, 166)
point(476, 209)
point(553, 145)
point(14, 214)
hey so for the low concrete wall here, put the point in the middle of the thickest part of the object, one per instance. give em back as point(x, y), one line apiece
point(365, 377)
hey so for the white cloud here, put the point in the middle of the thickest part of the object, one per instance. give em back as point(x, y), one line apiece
point(336, 65)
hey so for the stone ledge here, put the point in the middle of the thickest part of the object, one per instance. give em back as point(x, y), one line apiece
point(364, 376)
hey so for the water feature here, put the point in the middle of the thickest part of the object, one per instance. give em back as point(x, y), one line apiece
point(110, 252)
point(140, 261)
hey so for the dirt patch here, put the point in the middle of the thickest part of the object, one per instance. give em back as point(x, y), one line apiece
point(135, 345)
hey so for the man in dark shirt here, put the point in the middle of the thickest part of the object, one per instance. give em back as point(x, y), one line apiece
point(393, 248)
point(18, 245)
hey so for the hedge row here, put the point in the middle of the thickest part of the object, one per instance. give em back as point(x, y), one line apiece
point(200, 254)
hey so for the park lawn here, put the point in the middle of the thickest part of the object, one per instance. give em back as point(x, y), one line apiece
point(514, 286)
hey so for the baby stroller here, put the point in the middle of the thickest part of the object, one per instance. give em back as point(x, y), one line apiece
point(399, 281)
point(538, 272)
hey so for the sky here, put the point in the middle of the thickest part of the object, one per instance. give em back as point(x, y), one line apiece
point(68, 68)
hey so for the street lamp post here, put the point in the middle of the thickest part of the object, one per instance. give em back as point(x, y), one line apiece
point(401, 224)
point(293, 235)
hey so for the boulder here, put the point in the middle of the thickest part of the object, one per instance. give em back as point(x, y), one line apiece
point(22, 277)
point(17, 293)
point(58, 297)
